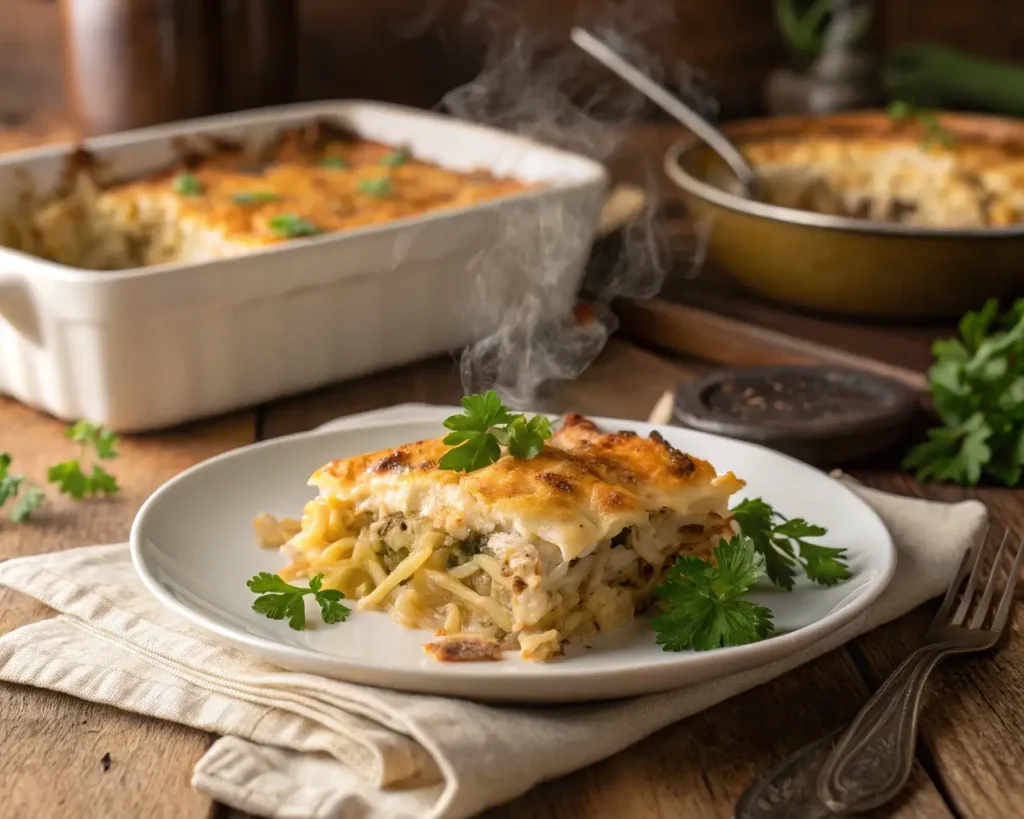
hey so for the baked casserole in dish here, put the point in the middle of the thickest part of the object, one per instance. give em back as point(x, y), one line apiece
point(898, 179)
point(858, 213)
point(228, 201)
point(188, 269)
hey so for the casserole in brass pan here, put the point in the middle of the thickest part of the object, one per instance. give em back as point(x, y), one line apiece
point(892, 266)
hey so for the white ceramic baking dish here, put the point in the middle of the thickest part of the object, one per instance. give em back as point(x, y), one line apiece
point(150, 347)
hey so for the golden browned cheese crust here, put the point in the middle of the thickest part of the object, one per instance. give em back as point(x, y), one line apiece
point(897, 178)
point(331, 198)
point(585, 486)
point(234, 200)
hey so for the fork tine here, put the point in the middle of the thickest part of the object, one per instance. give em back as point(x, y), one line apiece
point(990, 587)
point(1004, 605)
point(972, 582)
point(954, 586)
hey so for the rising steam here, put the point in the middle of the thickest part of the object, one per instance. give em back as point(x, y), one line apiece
point(547, 89)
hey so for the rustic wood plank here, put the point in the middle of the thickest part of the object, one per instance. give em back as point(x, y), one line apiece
point(53, 744)
point(974, 712)
point(700, 766)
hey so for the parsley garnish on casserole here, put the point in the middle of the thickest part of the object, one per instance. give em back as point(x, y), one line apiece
point(230, 202)
point(523, 553)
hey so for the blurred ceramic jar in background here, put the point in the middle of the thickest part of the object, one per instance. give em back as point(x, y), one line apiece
point(131, 63)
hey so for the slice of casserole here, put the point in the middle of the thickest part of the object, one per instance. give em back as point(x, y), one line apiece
point(521, 553)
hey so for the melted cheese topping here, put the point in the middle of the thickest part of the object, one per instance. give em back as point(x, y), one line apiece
point(584, 488)
point(234, 204)
point(894, 179)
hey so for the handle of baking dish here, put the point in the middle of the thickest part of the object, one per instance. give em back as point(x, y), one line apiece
point(16, 306)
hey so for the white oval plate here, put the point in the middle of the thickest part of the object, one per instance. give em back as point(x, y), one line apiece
point(192, 544)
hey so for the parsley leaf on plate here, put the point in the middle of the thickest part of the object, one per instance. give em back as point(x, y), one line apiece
point(977, 386)
point(279, 600)
point(785, 548)
point(701, 605)
point(486, 425)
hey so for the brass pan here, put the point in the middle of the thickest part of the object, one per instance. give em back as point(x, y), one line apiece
point(841, 264)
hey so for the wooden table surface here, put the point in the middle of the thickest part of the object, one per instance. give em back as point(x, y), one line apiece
point(970, 760)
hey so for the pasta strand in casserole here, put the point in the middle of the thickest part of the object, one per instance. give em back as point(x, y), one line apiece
point(521, 553)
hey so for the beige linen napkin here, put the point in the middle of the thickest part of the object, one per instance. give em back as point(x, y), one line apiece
point(298, 746)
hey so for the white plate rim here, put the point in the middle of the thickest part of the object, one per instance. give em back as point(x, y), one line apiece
point(425, 681)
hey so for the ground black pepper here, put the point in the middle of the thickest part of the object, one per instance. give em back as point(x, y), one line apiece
point(788, 396)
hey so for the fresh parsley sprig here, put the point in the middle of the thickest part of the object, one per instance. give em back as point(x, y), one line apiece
point(977, 386)
point(11, 487)
point(69, 476)
point(291, 226)
point(784, 546)
point(934, 132)
point(187, 184)
point(336, 162)
point(702, 605)
point(279, 600)
point(397, 157)
point(484, 427)
point(254, 197)
point(379, 187)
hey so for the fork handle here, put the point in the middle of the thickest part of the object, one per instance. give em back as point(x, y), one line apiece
point(873, 757)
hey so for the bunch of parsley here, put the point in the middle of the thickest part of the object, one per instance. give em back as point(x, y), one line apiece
point(977, 385)
point(702, 605)
point(68, 476)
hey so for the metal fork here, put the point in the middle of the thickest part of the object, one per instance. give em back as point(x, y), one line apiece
point(870, 762)
point(873, 757)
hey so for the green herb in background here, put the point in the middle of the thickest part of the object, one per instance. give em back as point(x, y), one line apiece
point(187, 184)
point(254, 197)
point(11, 487)
point(27, 504)
point(977, 385)
point(484, 427)
point(290, 226)
point(804, 30)
point(334, 162)
point(784, 546)
point(396, 158)
point(934, 133)
point(279, 600)
point(380, 187)
point(701, 605)
point(70, 477)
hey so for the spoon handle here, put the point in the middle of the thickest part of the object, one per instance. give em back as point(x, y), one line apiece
point(670, 103)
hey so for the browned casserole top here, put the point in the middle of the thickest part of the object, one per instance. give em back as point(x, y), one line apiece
point(225, 201)
point(895, 178)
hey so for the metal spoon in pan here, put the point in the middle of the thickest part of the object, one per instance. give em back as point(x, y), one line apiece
point(671, 104)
